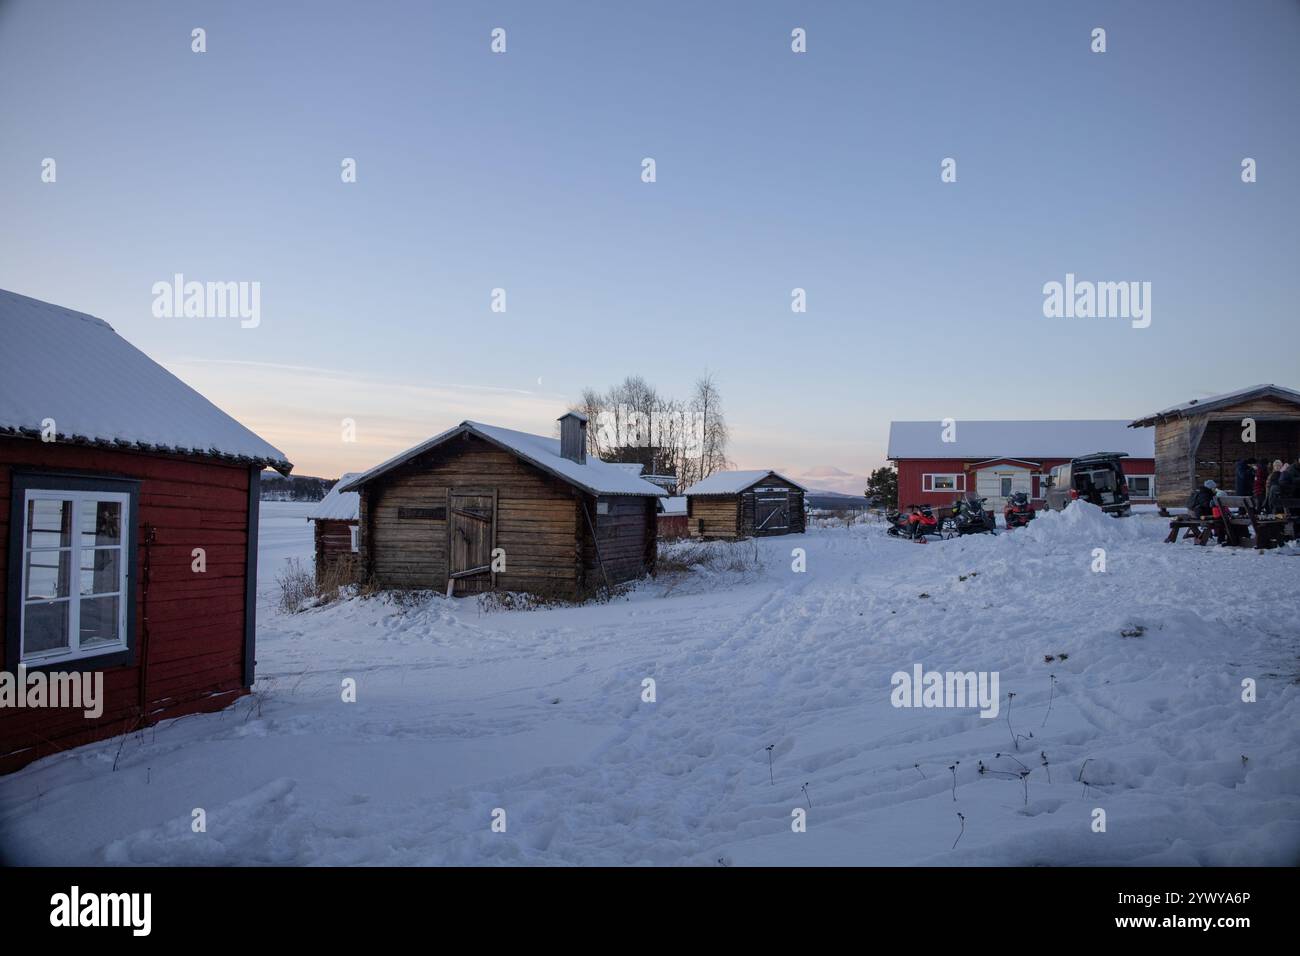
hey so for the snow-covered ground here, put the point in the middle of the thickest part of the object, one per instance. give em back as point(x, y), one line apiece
point(460, 711)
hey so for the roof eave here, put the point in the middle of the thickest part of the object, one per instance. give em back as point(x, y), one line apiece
point(282, 465)
point(467, 428)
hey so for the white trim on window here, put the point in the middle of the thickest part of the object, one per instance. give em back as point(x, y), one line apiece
point(1151, 485)
point(957, 482)
point(356, 536)
point(68, 559)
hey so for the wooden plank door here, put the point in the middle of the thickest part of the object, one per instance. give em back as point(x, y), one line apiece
point(771, 511)
point(471, 536)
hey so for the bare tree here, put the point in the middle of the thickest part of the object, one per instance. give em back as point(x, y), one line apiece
point(633, 422)
point(707, 406)
point(592, 404)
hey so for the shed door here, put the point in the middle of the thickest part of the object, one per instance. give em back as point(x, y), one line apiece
point(471, 525)
point(771, 511)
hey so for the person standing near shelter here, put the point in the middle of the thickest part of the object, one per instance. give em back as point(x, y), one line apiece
point(1245, 477)
point(1271, 487)
point(1288, 485)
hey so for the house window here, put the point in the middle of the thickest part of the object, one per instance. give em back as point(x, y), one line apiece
point(356, 533)
point(602, 507)
point(943, 482)
point(1141, 486)
point(73, 556)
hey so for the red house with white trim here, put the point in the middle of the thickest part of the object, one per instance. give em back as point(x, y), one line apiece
point(939, 461)
point(128, 536)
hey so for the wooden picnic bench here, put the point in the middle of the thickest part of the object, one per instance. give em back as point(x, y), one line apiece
point(1199, 528)
point(1237, 524)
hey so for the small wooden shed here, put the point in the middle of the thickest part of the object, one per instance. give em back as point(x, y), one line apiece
point(481, 507)
point(1205, 438)
point(743, 504)
point(335, 519)
point(673, 525)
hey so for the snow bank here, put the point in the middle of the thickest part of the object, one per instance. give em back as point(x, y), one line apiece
point(1080, 523)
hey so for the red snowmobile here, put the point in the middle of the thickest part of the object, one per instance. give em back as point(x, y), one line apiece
point(1017, 512)
point(916, 524)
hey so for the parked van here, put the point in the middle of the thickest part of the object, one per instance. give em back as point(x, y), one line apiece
point(1098, 478)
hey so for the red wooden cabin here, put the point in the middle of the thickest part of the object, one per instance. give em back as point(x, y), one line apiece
point(941, 461)
point(128, 513)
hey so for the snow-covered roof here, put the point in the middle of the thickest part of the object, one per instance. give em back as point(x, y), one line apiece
point(97, 387)
point(673, 506)
point(1032, 440)
point(631, 467)
point(338, 505)
point(594, 476)
point(734, 482)
point(1201, 405)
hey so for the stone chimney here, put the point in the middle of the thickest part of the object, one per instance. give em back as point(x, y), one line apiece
point(573, 437)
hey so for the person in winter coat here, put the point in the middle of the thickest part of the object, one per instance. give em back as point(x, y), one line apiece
point(1201, 503)
point(1271, 489)
point(1245, 477)
point(1257, 490)
point(1288, 483)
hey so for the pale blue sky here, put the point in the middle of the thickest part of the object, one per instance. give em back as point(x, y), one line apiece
point(775, 170)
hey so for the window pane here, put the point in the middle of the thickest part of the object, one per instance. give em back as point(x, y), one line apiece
point(98, 621)
point(45, 627)
point(48, 575)
point(49, 523)
point(100, 570)
point(101, 523)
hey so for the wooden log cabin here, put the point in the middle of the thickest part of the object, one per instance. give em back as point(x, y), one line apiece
point(335, 531)
point(744, 504)
point(480, 507)
point(1205, 438)
point(128, 509)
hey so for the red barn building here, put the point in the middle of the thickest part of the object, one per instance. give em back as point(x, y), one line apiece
point(995, 460)
point(128, 512)
point(337, 519)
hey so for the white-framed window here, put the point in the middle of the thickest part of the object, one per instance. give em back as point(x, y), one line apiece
point(943, 482)
point(1141, 486)
point(74, 554)
point(602, 507)
point(356, 537)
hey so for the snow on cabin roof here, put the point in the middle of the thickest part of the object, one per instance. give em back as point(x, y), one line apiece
point(673, 506)
point(1199, 405)
point(1033, 440)
point(593, 475)
point(338, 505)
point(733, 482)
point(97, 387)
point(631, 467)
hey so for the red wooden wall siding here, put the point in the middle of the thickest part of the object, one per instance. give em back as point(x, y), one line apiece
point(195, 621)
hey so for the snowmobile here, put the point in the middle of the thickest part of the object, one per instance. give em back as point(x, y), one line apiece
point(916, 523)
point(969, 516)
point(1017, 512)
